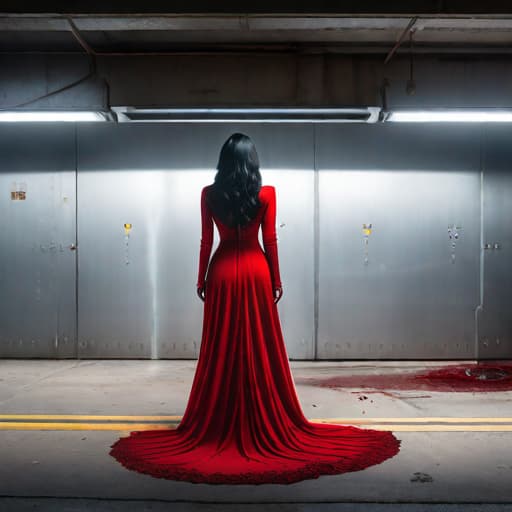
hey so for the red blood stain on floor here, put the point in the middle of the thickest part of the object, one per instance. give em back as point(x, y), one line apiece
point(477, 377)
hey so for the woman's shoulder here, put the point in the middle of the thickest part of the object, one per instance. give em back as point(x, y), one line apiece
point(205, 189)
point(269, 192)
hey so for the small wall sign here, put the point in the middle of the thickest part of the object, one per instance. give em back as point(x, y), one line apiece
point(18, 191)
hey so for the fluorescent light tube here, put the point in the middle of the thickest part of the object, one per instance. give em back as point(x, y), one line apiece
point(50, 116)
point(247, 115)
point(451, 116)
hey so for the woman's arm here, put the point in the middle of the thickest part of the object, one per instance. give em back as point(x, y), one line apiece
point(206, 240)
point(268, 227)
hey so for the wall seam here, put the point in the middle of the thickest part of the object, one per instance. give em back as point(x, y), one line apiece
point(316, 244)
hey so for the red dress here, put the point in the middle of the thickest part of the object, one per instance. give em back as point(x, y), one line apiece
point(243, 423)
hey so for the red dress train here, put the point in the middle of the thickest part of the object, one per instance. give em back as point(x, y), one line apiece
point(243, 423)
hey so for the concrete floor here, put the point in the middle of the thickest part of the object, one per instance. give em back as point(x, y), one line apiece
point(71, 469)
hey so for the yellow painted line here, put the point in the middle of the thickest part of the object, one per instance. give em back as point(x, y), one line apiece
point(149, 426)
point(446, 419)
point(85, 417)
point(16, 425)
point(428, 419)
point(443, 428)
point(114, 423)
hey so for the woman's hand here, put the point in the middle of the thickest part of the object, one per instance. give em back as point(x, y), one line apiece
point(201, 292)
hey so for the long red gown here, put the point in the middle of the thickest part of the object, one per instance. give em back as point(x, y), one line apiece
point(243, 423)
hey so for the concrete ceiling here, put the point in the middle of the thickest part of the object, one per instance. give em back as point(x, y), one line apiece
point(140, 32)
point(328, 7)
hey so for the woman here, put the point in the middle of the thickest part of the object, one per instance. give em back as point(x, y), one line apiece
point(243, 423)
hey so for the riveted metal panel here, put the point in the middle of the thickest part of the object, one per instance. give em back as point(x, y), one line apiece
point(37, 267)
point(495, 325)
point(137, 291)
point(400, 289)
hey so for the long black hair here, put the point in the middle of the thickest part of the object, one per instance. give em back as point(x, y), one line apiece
point(233, 196)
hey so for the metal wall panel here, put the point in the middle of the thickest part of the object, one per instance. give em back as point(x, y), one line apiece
point(37, 267)
point(495, 319)
point(413, 297)
point(417, 296)
point(137, 295)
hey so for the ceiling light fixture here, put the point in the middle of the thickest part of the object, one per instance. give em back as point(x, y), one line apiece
point(248, 115)
point(28, 116)
point(450, 116)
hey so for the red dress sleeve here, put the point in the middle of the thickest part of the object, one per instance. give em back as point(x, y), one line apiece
point(268, 227)
point(206, 239)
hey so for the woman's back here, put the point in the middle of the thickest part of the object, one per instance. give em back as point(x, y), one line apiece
point(243, 238)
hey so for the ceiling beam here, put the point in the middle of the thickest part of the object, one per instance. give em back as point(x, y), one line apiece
point(56, 22)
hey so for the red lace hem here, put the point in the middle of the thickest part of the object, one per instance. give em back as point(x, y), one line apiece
point(384, 445)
